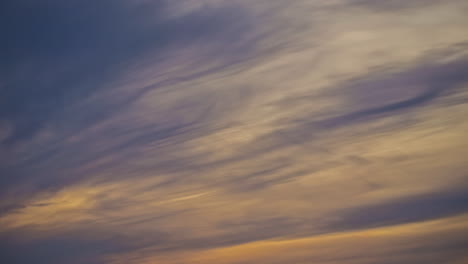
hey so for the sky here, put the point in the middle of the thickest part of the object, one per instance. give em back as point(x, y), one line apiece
point(233, 131)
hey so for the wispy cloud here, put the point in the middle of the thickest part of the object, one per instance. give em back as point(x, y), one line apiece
point(233, 131)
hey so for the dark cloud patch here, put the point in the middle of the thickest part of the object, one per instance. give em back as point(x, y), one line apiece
point(114, 148)
point(57, 250)
point(418, 208)
point(82, 248)
point(432, 250)
point(79, 246)
point(391, 5)
point(66, 164)
point(376, 96)
point(381, 110)
point(57, 53)
point(388, 95)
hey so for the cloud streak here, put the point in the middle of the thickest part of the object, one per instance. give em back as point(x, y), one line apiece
point(233, 132)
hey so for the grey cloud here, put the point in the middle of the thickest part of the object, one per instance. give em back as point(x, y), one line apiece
point(57, 250)
point(418, 208)
point(82, 245)
point(70, 50)
point(59, 53)
point(368, 98)
point(379, 95)
point(391, 5)
point(235, 233)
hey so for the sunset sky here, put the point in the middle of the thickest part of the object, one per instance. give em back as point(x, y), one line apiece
point(234, 132)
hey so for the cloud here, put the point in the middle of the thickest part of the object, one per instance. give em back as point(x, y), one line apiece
point(417, 243)
point(233, 132)
point(405, 210)
point(78, 57)
point(70, 51)
point(394, 93)
point(58, 250)
point(392, 5)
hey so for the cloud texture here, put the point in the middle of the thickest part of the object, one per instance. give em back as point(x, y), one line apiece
point(212, 131)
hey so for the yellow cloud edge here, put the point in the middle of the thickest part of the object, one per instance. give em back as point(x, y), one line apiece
point(360, 246)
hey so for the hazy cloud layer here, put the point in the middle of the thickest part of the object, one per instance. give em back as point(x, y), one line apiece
point(238, 131)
